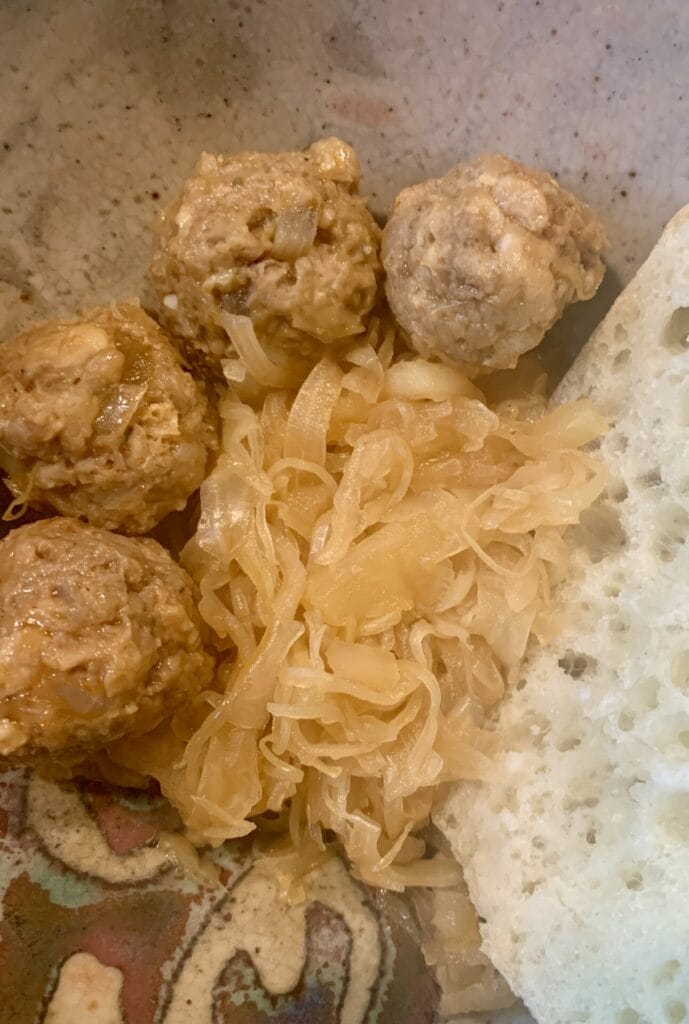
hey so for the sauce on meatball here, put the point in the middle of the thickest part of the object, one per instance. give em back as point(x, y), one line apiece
point(100, 420)
point(282, 238)
point(99, 638)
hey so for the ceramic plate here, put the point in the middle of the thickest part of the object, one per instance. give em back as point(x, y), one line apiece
point(105, 109)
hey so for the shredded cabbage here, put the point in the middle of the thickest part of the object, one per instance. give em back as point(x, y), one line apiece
point(373, 556)
point(451, 944)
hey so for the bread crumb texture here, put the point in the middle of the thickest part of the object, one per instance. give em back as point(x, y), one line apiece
point(579, 862)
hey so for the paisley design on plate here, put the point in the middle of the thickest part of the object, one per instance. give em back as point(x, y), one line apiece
point(256, 918)
point(57, 815)
point(97, 926)
point(86, 991)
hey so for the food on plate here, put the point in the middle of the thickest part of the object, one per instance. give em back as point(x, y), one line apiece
point(99, 637)
point(100, 420)
point(451, 944)
point(577, 857)
point(282, 238)
point(374, 553)
point(481, 262)
point(370, 552)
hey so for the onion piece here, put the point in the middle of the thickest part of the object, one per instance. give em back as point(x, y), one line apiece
point(419, 379)
point(309, 418)
point(240, 331)
point(295, 231)
point(121, 405)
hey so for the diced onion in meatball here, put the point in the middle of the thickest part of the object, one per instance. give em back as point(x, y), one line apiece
point(100, 420)
point(481, 263)
point(281, 238)
point(99, 639)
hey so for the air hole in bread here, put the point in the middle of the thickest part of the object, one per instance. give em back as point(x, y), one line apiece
point(671, 532)
point(625, 721)
point(569, 804)
point(567, 744)
point(673, 815)
point(539, 803)
point(679, 670)
point(619, 442)
point(676, 335)
point(500, 800)
point(620, 333)
point(613, 588)
point(621, 359)
point(666, 972)
point(684, 738)
point(618, 492)
point(652, 478)
point(620, 624)
point(628, 1016)
point(646, 693)
point(591, 836)
point(576, 664)
point(634, 881)
point(675, 1012)
point(600, 532)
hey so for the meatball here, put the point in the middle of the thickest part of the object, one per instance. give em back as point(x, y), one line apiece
point(99, 638)
point(279, 237)
point(100, 420)
point(480, 263)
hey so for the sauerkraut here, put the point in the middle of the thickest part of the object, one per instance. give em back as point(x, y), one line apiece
point(451, 945)
point(373, 555)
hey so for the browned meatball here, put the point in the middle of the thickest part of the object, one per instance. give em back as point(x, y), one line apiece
point(480, 263)
point(99, 638)
point(279, 237)
point(100, 420)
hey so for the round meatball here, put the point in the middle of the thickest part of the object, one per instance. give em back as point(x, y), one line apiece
point(99, 638)
point(100, 420)
point(480, 263)
point(278, 237)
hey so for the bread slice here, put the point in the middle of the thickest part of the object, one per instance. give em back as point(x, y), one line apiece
point(579, 861)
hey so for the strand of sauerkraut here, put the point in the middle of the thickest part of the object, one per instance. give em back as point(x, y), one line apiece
point(373, 554)
point(451, 944)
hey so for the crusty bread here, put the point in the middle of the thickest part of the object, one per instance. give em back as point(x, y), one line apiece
point(579, 862)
